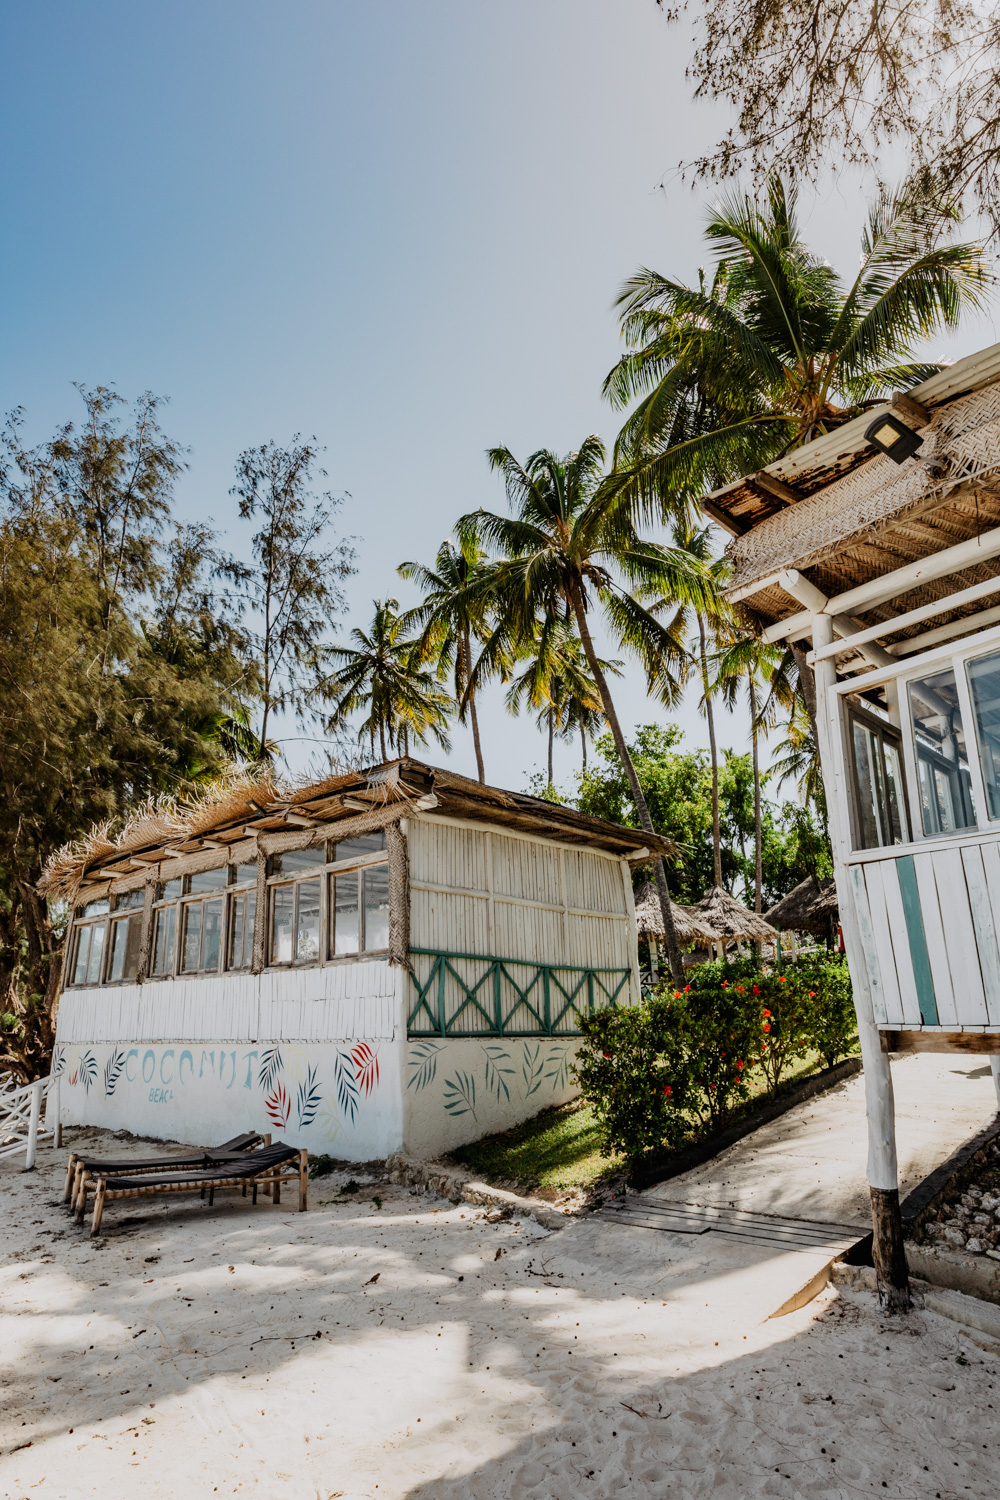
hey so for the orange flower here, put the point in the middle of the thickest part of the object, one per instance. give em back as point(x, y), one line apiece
point(686, 988)
point(677, 994)
point(767, 1013)
point(767, 1026)
point(781, 978)
point(740, 1066)
point(812, 994)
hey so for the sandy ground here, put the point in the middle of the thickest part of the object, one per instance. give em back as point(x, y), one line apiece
point(421, 1350)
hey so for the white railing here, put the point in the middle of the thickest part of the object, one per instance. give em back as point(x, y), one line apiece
point(21, 1123)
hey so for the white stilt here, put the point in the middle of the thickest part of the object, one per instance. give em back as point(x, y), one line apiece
point(995, 1069)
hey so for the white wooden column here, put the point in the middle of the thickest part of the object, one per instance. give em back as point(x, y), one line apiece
point(882, 1170)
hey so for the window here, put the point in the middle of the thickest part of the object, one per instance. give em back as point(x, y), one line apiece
point(984, 685)
point(165, 927)
point(945, 785)
point(295, 922)
point(878, 783)
point(242, 912)
point(126, 937)
point(89, 942)
point(359, 901)
point(201, 922)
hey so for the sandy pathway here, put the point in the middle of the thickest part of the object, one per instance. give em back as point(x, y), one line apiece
point(197, 1351)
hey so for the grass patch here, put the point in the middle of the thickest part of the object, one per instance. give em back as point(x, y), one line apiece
point(560, 1149)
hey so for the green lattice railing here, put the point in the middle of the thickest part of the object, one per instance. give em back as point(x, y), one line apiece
point(503, 1000)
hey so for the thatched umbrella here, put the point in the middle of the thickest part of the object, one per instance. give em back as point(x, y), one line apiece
point(807, 908)
point(731, 919)
point(689, 926)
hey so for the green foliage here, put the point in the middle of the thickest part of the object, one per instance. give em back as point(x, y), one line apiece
point(679, 1063)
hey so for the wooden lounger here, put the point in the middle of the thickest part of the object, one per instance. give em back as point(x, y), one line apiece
point(102, 1166)
point(267, 1167)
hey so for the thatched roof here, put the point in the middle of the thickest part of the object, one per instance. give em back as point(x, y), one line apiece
point(689, 926)
point(842, 515)
point(807, 908)
point(730, 918)
point(245, 807)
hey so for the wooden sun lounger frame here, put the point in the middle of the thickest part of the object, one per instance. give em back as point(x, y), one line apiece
point(78, 1164)
point(293, 1170)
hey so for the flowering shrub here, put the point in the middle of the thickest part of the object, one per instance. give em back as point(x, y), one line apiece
point(662, 1072)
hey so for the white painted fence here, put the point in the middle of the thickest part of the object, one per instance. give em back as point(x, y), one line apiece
point(21, 1123)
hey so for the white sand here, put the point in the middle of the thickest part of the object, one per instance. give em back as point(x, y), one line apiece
point(179, 1358)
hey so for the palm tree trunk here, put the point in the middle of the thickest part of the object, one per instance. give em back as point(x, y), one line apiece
point(552, 731)
point(583, 741)
point(638, 797)
point(758, 827)
point(714, 750)
point(471, 692)
point(381, 739)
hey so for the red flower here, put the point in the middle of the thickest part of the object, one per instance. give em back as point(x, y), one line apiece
point(606, 1054)
point(725, 984)
point(767, 1026)
point(668, 1089)
point(740, 1066)
point(686, 988)
point(812, 994)
point(767, 1013)
point(756, 989)
point(740, 990)
point(781, 978)
point(677, 994)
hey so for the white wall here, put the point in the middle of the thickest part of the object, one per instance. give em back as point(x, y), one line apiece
point(459, 1090)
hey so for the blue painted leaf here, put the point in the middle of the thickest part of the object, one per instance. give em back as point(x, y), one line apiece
point(269, 1067)
point(309, 1096)
point(347, 1088)
point(423, 1061)
point(460, 1095)
point(113, 1071)
point(88, 1069)
point(494, 1070)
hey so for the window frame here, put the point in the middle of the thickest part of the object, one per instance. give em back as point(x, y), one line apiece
point(326, 872)
point(854, 713)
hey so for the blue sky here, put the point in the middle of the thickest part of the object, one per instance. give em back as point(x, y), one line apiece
point(397, 227)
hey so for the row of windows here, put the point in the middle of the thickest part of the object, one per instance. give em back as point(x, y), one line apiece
point(324, 903)
point(945, 793)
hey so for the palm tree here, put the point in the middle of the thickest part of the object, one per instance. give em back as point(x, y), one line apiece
point(777, 349)
point(558, 683)
point(382, 672)
point(798, 759)
point(451, 620)
point(566, 549)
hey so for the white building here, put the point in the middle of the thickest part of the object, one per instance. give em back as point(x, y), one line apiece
point(389, 960)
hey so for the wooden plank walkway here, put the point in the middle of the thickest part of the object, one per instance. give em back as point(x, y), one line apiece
point(638, 1211)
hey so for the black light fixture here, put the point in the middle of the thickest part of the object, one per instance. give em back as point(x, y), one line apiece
point(893, 438)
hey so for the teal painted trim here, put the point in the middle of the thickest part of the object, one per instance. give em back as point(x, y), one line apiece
point(919, 958)
point(547, 995)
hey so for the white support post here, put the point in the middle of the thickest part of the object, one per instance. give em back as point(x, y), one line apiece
point(883, 1179)
point(53, 1120)
point(995, 1070)
point(33, 1119)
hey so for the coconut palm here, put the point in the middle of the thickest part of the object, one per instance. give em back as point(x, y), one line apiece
point(776, 349)
point(452, 621)
point(558, 683)
point(566, 550)
point(382, 672)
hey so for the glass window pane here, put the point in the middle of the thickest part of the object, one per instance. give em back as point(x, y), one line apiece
point(242, 911)
point(344, 890)
point(164, 932)
point(250, 917)
point(82, 950)
point(984, 685)
point(282, 923)
point(191, 940)
point(211, 934)
point(96, 908)
point(894, 791)
point(294, 860)
point(307, 928)
point(207, 880)
point(119, 942)
point(171, 890)
point(128, 899)
point(357, 848)
point(376, 889)
point(942, 754)
point(245, 874)
point(96, 951)
point(867, 807)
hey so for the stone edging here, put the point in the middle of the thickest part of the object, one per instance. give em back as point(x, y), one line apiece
point(435, 1177)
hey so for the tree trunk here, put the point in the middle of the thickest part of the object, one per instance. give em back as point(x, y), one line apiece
point(471, 692)
point(758, 828)
point(552, 733)
point(807, 682)
point(714, 751)
point(583, 741)
point(641, 806)
point(381, 739)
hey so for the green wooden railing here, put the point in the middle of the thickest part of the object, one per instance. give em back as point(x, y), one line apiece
point(503, 999)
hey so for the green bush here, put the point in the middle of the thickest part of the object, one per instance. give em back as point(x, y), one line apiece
point(677, 1064)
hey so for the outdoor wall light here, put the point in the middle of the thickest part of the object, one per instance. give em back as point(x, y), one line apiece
point(893, 437)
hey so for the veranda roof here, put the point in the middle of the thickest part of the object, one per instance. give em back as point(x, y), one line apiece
point(730, 918)
point(689, 926)
point(247, 807)
point(807, 908)
point(835, 515)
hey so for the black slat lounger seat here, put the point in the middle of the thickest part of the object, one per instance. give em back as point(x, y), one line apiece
point(104, 1167)
point(261, 1168)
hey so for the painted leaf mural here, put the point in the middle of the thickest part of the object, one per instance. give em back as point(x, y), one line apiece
point(460, 1095)
point(88, 1069)
point(278, 1105)
point(422, 1063)
point(308, 1099)
point(532, 1069)
point(557, 1068)
point(269, 1067)
point(113, 1071)
point(496, 1072)
point(58, 1062)
point(365, 1067)
point(347, 1087)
